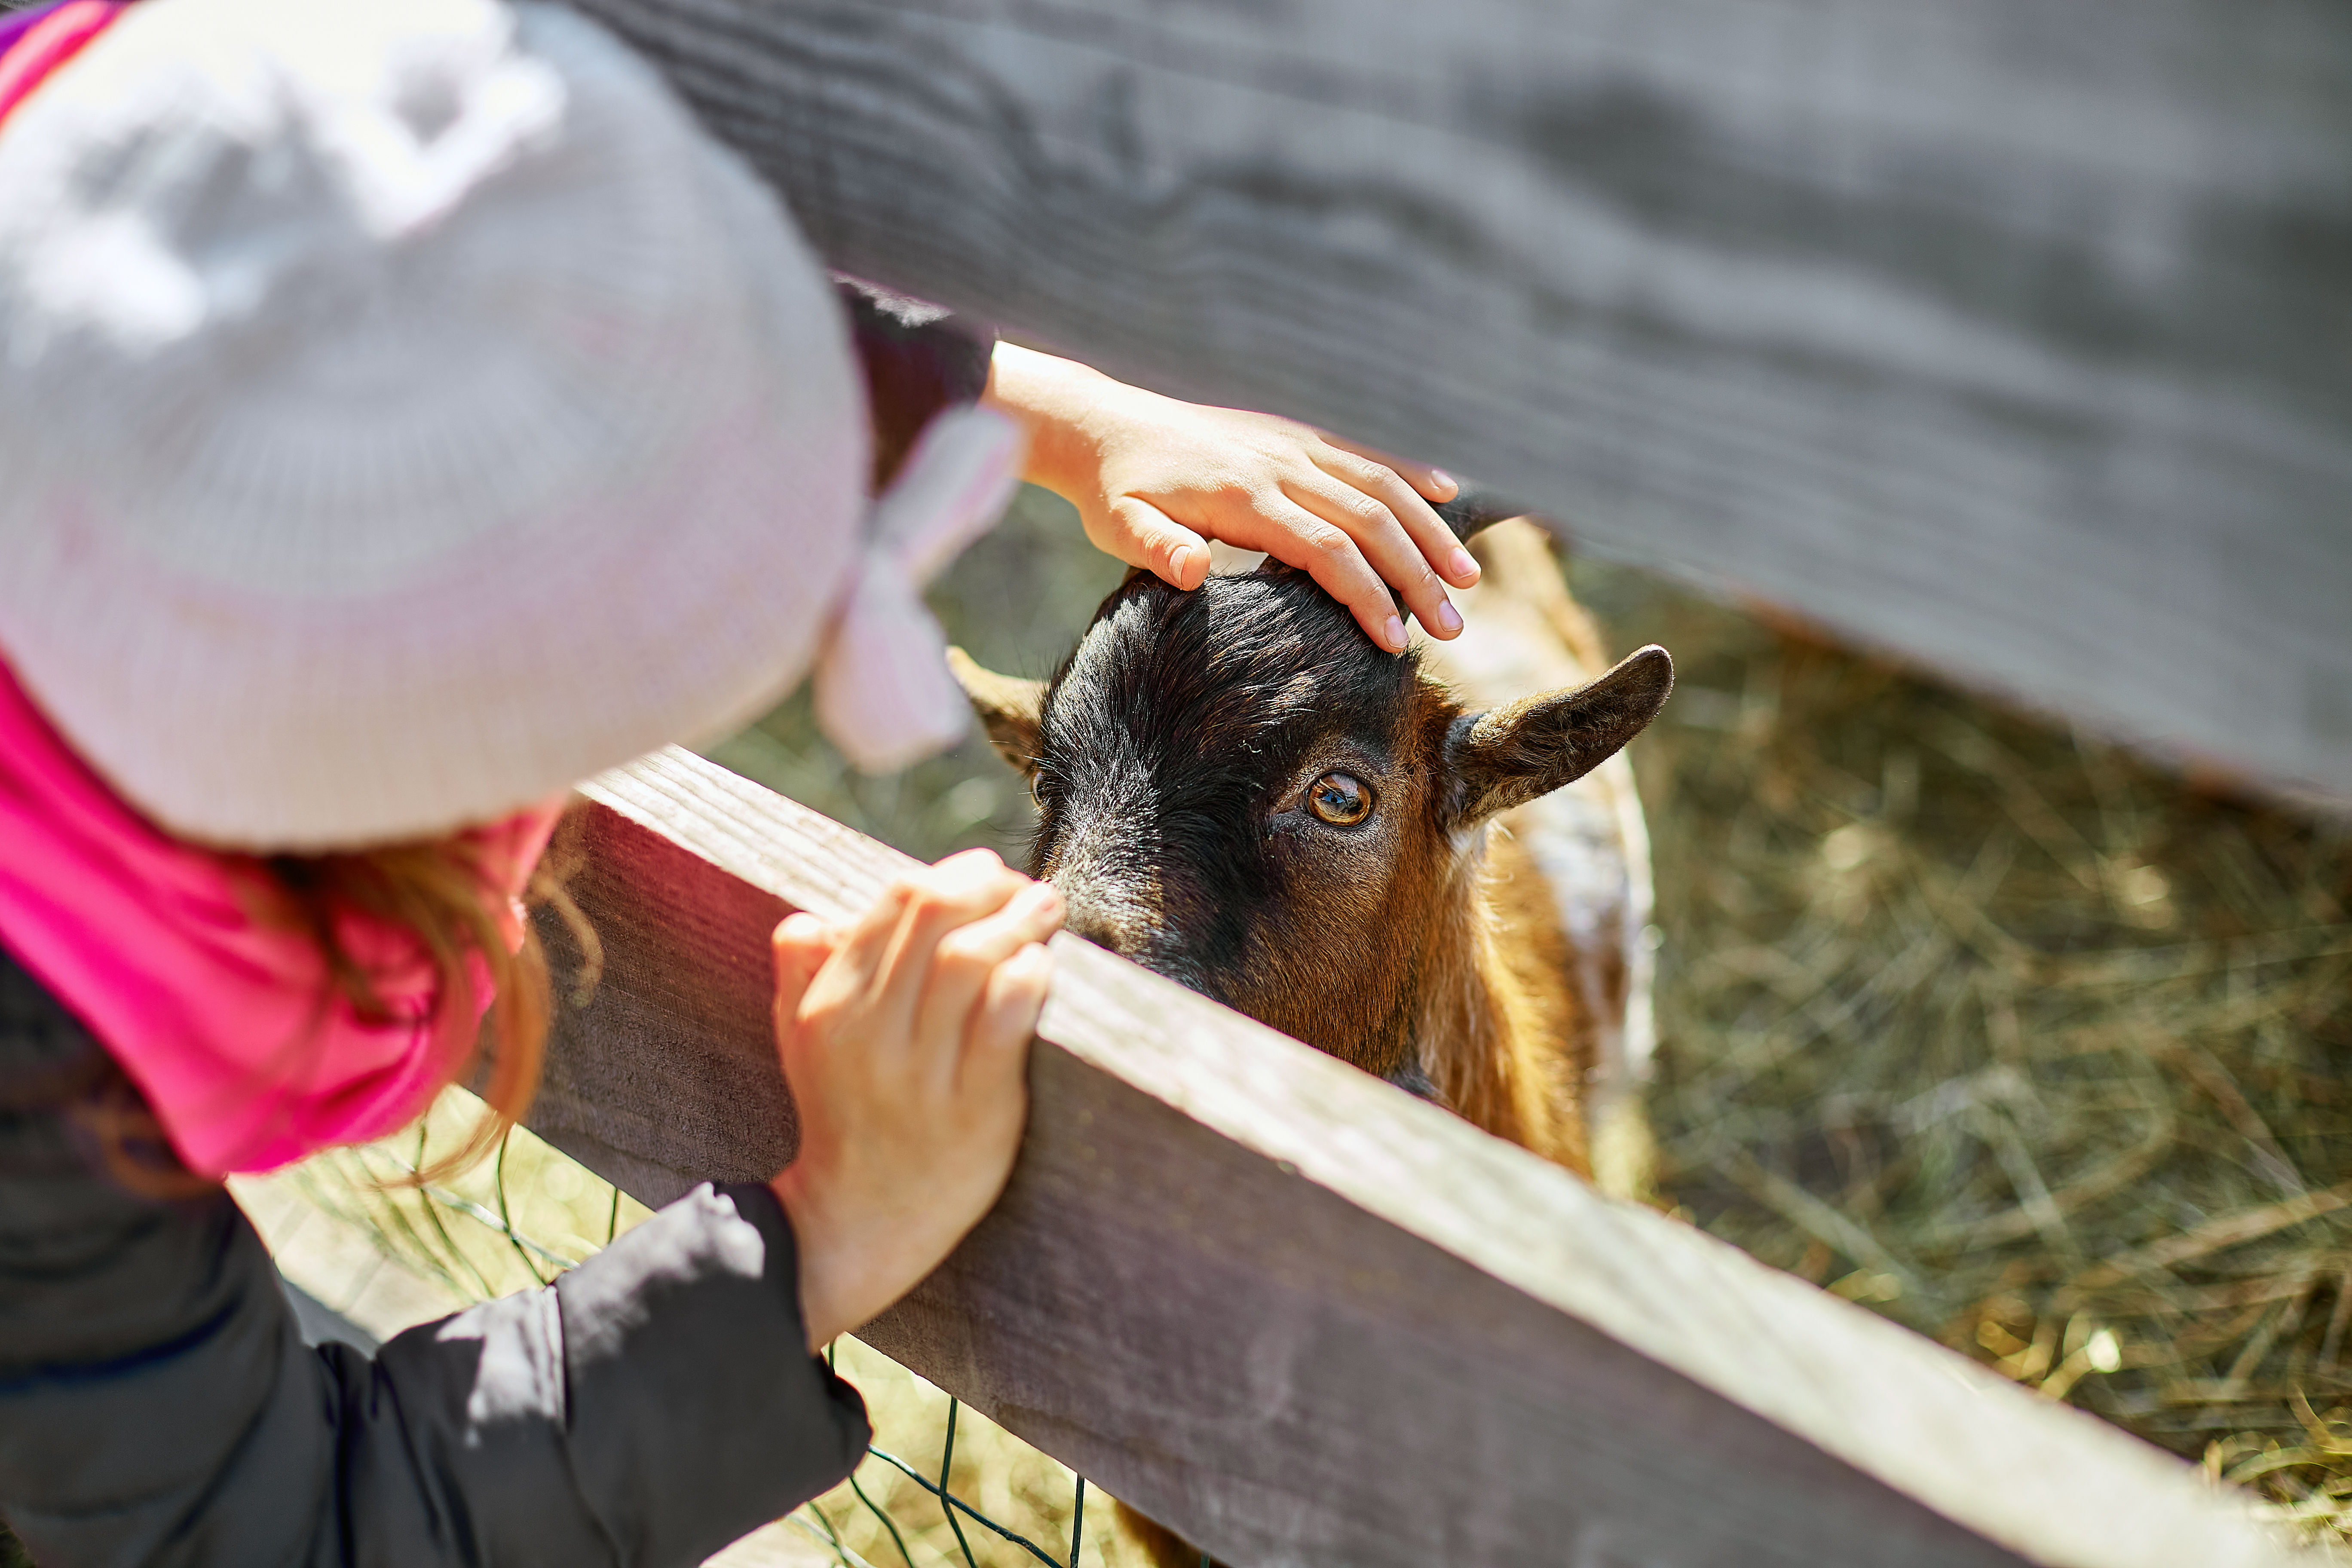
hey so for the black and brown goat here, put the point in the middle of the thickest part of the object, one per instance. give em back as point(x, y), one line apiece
point(1432, 867)
point(1389, 858)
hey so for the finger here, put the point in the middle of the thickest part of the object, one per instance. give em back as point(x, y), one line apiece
point(800, 945)
point(1140, 534)
point(1384, 545)
point(944, 899)
point(873, 935)
point(997, 1043)
point(859, 949)
point(1387, 544)
point(1436, 484)
point(1430, 533)
point(858, 976)
point(1296, 537)
point(967, 960)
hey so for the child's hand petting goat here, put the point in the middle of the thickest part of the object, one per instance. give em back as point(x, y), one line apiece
point(1155, 480)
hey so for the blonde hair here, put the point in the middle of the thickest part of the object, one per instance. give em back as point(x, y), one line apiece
point(442, 893)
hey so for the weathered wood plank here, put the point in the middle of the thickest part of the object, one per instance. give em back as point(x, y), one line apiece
point(2008, 335)
point(1308, 1319)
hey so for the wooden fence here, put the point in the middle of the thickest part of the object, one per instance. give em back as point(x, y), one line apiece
point(1308, 1319)
point(2010, 335)
point(2006, 334)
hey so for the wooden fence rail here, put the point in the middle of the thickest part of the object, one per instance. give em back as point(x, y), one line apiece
point(2007, 334)
point(1308, 1319)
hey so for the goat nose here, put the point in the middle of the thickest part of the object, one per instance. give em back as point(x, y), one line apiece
point(1116, 912)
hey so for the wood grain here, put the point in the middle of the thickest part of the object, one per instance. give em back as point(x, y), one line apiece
point(2008, 335)
point(1307, 1318)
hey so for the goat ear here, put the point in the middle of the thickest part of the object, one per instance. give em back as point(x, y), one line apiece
point(1008, 707)
point(1473, 511)
point(1511, 756)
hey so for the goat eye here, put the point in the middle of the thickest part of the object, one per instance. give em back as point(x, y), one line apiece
point(1342, 799)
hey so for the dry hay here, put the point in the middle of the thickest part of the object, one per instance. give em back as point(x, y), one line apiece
point(2010, 1036)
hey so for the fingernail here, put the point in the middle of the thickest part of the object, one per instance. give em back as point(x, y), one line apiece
point(1448, 617)
point(1446, 481)
point(1179, 560)
point(1462, 567)
point(1392, 634)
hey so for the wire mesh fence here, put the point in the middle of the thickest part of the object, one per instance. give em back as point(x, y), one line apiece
point(942, 1486)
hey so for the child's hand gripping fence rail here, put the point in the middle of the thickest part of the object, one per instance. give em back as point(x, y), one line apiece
point(1304, 1317)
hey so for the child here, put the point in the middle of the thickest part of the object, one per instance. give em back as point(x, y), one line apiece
point(404, 413)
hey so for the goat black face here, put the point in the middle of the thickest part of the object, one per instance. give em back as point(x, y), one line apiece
point(1237, 789)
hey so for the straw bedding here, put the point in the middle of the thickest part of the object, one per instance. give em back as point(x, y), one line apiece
point(2011, 1036)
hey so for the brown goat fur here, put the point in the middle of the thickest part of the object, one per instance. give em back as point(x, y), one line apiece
point(1176, 757)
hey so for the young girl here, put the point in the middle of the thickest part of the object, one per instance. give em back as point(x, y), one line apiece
point(405, 413)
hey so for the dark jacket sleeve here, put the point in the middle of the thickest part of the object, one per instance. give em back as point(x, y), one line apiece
point(919, 359)
point(158, 1406)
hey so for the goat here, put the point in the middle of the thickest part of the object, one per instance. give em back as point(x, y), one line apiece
point(1236, 789)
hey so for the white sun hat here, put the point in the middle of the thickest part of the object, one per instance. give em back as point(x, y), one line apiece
point(406, 411)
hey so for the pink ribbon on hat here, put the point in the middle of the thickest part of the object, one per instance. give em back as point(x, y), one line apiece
point(883, 694)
